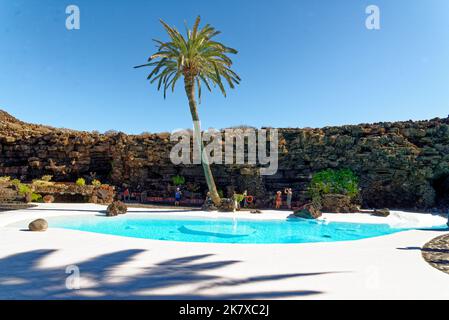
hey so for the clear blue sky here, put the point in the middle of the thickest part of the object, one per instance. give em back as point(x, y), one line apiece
point(303, 63)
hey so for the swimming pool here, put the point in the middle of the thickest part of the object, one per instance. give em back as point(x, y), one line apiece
point(221, 230)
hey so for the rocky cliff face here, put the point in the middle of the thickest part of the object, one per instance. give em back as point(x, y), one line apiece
point(400, 165)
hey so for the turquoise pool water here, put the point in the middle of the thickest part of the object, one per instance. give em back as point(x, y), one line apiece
point(221, 230)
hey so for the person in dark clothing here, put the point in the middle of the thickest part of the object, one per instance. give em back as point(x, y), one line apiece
point(178, 195)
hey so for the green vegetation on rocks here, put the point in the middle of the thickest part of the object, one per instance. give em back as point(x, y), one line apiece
point(178, 180)
point(80, 182)
point(27, 192)
point(96, 183)
point(343, 182)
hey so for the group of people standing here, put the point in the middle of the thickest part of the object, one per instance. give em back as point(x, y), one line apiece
point(243, 201)
point(288, 192)
point(278, 198)
point(125, 195)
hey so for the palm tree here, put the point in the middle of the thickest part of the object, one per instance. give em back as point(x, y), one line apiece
point(200, 60)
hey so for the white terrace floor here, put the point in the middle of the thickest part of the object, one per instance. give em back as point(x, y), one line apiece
point(33, 265)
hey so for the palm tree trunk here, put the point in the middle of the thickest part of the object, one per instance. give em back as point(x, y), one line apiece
point(190, 91)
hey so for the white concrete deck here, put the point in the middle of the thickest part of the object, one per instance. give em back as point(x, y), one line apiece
point(33, 265)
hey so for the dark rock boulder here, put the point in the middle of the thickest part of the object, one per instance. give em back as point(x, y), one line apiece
point(308, 211)
point(381, 212)
point(337, 203)
point(103, 195)
point(209, 206)
point(116, 208)
point(8, 193)
point(227, 205)
point(38, 225)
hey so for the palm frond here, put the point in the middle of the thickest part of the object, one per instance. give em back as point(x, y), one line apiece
point(195, 56)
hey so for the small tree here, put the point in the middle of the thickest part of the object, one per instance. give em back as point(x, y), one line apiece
point(199, 60)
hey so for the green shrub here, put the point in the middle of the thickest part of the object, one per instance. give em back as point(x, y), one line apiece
point(27, 192)
point(342, 181)
point(178, 180)
point(220, 194)
point(80, 182)
point(96, 183)
point(35, 197)
point(239, 197)
point(47, 178)
point(23, 189)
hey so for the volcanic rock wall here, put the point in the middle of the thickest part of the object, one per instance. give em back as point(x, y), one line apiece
point(400, 165)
